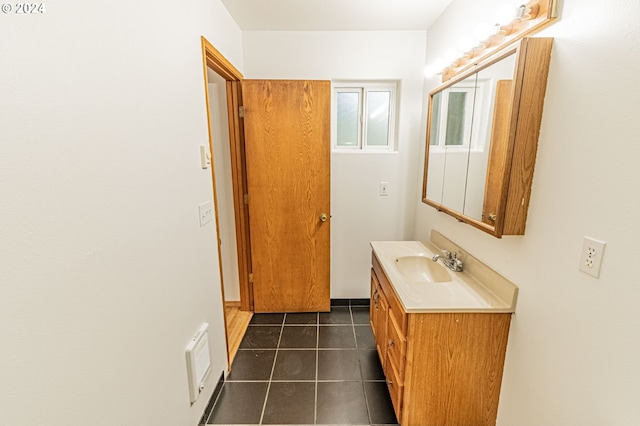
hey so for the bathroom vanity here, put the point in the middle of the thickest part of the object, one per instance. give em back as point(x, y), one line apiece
point(441, 335)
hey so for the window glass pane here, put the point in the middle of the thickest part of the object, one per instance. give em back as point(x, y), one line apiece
point(435, 119)
point(378, 118)
point(456, 118)
point(348, 104)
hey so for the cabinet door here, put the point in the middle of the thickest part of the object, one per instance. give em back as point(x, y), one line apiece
point(379, 314)
point(373, 305)
point(383, 315)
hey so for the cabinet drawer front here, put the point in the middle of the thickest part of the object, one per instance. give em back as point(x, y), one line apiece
point(397, 344)
point(395, 310)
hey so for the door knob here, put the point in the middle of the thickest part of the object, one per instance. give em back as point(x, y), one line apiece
point(323, 217)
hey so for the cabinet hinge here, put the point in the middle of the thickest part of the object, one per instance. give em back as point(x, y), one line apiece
point(246, 198)
point(250, 277)
point(241, 111)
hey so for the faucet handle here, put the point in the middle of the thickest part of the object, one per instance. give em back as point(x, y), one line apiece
point(447, 254)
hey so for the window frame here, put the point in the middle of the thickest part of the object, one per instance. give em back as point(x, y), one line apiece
point(475, 133)
point(363, 88)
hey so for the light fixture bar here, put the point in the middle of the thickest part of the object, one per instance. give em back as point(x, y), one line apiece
point(528, 18)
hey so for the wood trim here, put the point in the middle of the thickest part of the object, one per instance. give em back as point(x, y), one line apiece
point(217, 62)
point(534, 84)
point(239, 179)
point(237, 321)
point(215, 208)
point(213, 59)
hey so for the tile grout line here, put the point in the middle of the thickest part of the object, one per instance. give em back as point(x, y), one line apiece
point(273, 367)
point(315, 380)
point(362, 381)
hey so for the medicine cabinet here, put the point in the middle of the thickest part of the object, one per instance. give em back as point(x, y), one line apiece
point(482, 138)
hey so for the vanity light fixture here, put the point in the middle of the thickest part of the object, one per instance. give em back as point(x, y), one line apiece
point(513, 21)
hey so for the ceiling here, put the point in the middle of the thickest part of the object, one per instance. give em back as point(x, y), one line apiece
point(335, 15)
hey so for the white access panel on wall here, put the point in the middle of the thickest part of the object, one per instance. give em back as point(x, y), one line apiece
point(198, 361)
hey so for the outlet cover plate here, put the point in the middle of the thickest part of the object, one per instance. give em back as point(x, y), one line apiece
point(591, 256)
point(205, 211)
point(384, 189)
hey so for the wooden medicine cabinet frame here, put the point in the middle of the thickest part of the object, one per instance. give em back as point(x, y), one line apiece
point(513, 143)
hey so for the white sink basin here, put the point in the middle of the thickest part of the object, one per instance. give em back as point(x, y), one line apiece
point(423, 285)
point(422, 269)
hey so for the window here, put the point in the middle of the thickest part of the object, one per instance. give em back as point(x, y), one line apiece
point(364, 116)
point(454, 107)
point(452, 117)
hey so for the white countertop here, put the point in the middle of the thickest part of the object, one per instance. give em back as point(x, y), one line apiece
point(463, 293)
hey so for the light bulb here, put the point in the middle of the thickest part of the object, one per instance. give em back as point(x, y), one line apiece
point(452, 55)
point(506, 14)
point(430, 71)
point(466, 44)
point(483, 31)
point(439, 64)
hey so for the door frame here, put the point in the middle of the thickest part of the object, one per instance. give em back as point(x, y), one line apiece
point(213, 59)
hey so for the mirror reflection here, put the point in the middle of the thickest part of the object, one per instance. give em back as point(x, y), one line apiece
point(468, 132)
point(436, 157)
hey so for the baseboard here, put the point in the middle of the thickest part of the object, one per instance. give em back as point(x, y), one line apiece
point(349, 302)
point(212, 400)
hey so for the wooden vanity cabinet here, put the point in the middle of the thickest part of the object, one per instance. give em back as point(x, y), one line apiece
point(441, 368)
point(378, 317)
point(388, 330)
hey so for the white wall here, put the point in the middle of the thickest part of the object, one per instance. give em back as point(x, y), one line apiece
point(359, 214)
point(572, 357)
point(105, 273)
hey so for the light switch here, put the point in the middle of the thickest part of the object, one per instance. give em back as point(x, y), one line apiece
point(205, 157)
point(206, 212)
point(384, 189)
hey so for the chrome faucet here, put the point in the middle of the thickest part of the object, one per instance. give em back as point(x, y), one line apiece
point(450, 260)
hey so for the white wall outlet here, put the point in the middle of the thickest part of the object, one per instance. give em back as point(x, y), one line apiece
point(591, 256)
point(384, 189)
point(206, 212)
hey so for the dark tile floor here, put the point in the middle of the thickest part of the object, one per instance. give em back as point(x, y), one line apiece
point(306, 369)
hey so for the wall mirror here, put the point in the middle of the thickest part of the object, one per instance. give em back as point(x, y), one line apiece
point(482, 137)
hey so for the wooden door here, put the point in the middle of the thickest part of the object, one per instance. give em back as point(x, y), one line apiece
point(288, 177)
